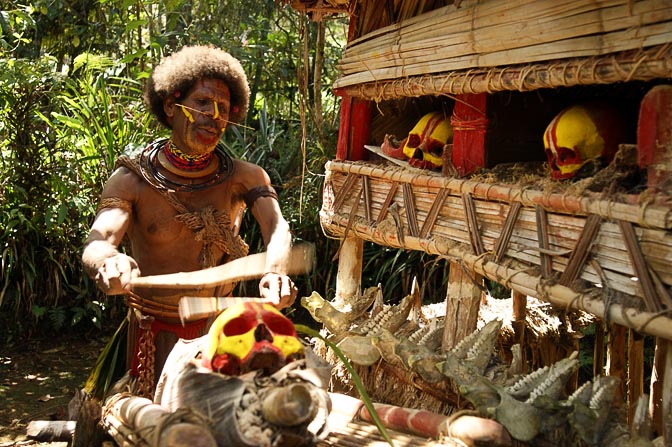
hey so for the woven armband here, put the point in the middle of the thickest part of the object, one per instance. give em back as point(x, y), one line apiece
point(253, 194)
point(115, 202)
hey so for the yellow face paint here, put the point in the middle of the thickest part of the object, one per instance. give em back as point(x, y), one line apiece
point(187, 113)
point(216, 114)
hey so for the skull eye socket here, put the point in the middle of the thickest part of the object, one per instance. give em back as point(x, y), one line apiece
point(413, 141)
point(279, 325)
point(565, 154)
point(239, 326)
point(435, 148)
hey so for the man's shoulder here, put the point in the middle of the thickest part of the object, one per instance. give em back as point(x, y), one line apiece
point(247, 172)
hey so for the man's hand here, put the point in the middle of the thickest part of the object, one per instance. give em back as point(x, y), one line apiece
point(115, 274)
point(279, 288)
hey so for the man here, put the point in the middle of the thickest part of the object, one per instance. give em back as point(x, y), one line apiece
point(180, 203)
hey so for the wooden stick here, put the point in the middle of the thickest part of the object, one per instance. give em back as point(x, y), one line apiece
point(577, 259)
point(245, 268)
point(507, 231)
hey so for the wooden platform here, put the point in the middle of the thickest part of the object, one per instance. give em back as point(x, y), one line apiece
point(566, 249)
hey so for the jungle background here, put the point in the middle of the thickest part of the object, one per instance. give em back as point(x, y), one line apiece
point(71, 102)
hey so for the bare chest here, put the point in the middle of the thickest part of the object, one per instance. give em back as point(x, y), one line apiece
point(162, 219)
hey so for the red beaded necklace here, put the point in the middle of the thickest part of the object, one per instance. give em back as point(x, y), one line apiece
point(184, 161)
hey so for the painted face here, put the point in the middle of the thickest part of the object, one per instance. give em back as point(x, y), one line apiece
point(199, 120)
point(249, 337)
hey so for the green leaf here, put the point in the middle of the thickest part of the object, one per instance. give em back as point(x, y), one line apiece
point(355, 378)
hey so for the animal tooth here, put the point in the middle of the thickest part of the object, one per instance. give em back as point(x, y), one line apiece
point(390, 318)
point(488, 332)
point(555, 380)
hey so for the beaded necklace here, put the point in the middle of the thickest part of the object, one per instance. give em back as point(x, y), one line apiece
point(148, 162)
point(184, 161)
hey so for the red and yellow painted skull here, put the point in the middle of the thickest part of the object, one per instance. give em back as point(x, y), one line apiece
point(250, 337)
point(424, 144)
point(582, 133)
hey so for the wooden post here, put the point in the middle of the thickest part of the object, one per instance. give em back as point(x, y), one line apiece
point(598, 349)
point(635, 371)
point(654, 151)
point(616, 360)
point(463, 302)
point(349, 276)
point(520, 322)
point(656, 385)
point(470, 123)
point(654, 136)
point(667, 396)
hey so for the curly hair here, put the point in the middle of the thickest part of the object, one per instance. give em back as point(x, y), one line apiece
point(177, 74)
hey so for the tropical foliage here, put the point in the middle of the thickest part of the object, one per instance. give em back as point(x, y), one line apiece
point(70, 103)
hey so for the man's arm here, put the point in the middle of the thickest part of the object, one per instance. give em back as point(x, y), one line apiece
point(277, 237)
point(101, 258)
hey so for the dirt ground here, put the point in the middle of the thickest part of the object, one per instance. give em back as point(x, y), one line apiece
point(38, 377)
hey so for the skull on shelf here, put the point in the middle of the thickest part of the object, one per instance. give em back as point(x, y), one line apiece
point(249, 337)
point(583, 133)
point(424, 144)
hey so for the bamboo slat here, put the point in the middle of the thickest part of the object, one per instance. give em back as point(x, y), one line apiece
point(637, 65)
point(495, 33)
point(605, 266)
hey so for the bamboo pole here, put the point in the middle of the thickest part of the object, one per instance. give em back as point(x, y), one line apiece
point(609, 250)
point(446, 39)
point(644, 322)
point(138, 421)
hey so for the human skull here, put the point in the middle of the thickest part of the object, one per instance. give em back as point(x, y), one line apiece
point(424, 144)
point(248, 337)
point(581, 133)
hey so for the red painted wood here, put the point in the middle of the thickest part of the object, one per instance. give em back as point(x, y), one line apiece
point(344, 129)
point(354, 128)
point(360, 125)
point(470, 123)
point(654, 135)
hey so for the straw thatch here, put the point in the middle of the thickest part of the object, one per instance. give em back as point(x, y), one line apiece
point(493, 33)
